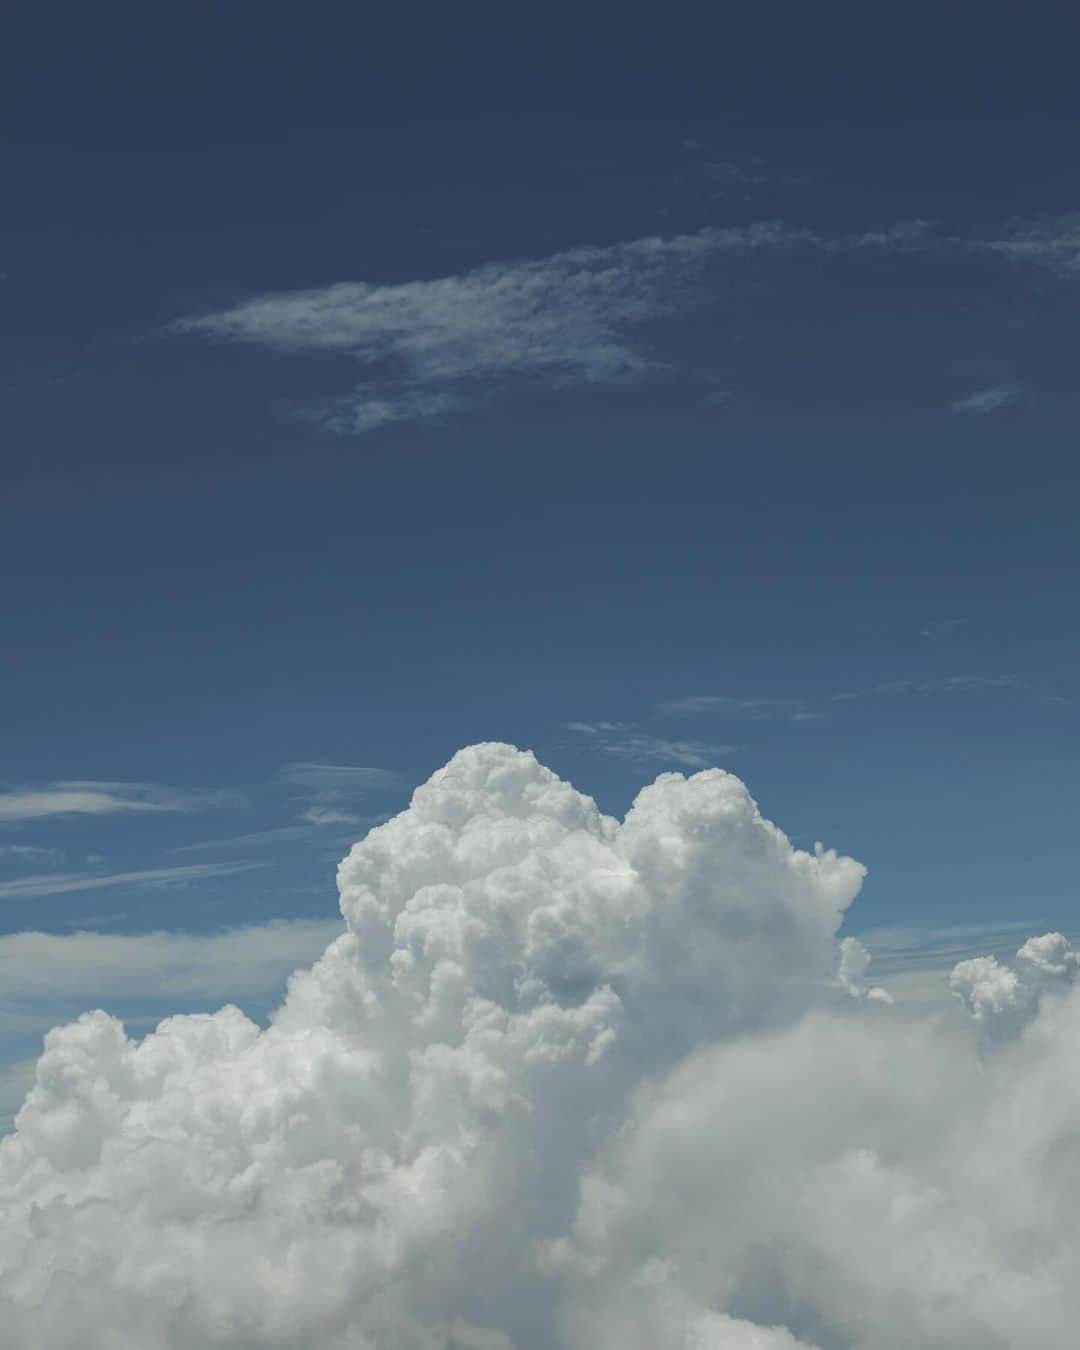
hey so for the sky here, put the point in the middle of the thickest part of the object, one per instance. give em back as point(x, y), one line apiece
point(652, 394)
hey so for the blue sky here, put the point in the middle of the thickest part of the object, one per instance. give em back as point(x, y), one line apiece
point(652, 399)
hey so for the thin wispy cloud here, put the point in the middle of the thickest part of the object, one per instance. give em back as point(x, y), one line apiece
point(990, 399)
point(939, 628)
point(99, 798)
point(330, 799)
point(282, 834)
point(924, 946)
point(626, 740)
point(63, 883)
point(338, 778)
point(741, 709)
point(30, 855)
point(1051, 244)
point(431, 347)
point(793, 709)
point(944, 684)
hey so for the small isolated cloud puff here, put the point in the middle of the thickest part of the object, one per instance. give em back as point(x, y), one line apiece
point(563, 1080)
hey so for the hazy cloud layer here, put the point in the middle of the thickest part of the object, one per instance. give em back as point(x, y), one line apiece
point(564, 1080)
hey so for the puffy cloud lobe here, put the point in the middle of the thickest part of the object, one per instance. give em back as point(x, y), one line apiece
point(851, 972)
point(562, 1080)
point(1003, 998)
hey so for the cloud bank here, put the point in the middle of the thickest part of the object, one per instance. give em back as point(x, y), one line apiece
point(561, 1081)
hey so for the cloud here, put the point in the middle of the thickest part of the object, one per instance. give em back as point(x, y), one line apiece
point(939, 628)
point(626, 740)
point(61, 883)
point(47, 976)
point(741, 709)
point(281, 834)
point(31, 855)
point(585, 316)
point(563, 1080)
point(244, 962)
point(993, 398)
point(1051, 244)
point(937, 947)
point(333, 790)
point(338, 778)
point(938, 684)
point(438, 346)
point(96, 798)
point(314, 831)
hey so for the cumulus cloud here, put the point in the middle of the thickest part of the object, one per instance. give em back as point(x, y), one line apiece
point(561, 1080)
point(46, 976)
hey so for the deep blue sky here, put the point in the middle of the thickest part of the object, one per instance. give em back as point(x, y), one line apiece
point(843, 465)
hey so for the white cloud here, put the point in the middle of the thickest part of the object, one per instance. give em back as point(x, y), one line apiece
point(564, 1080)
point(249, 961)
point(330, 815)
point(281, 834)
point(16, 1080)
point(338, 778)
point(322, 825)
point(91, 797)
point(991, 398)
point(741, 709)
point(45, 977)
point(854, 962)
point(626, 740)
point(1052, 243)
point(441, 345)
point(429, 348)
point(937, 684)
point(62, 883)
point(940, 628)
point(31, 855)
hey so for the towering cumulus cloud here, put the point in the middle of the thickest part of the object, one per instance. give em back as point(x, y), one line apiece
point(562, 1081)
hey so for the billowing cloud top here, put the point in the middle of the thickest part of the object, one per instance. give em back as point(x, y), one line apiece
point(561, 1081)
